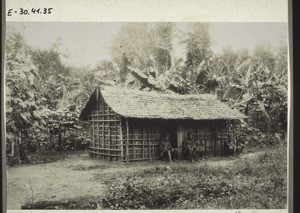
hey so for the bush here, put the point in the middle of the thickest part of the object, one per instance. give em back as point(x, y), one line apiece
point(255, 138)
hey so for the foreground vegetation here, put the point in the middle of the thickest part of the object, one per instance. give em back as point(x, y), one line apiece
point(258, 182)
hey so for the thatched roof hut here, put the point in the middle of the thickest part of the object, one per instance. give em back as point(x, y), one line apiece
point(122, 119)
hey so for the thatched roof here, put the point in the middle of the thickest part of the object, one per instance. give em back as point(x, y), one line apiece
point(151, 105)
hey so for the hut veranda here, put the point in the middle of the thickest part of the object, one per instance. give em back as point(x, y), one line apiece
point(128, 125)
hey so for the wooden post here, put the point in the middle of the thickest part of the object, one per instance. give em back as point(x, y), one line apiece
point(103, 129)
point(148, 140)
point(93, 130)
point(127, 140)
point(143, 142)
point(213, 140)
point(97, 138)
point(121, 141)
point(97, 93)
point(180, 138)
point(109, 136)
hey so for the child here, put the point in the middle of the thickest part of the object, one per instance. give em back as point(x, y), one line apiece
point(188, 146)
point(166, 148)
point(198, 150)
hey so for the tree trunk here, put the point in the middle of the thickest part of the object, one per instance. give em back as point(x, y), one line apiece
point(59, 139)
point(18, 149)
point(124, 70)
point(59, 142)
point(171, 57)
point(247, 109)
point(13, 148)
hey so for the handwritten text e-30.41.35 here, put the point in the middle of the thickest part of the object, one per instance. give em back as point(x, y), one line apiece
point(32, 11)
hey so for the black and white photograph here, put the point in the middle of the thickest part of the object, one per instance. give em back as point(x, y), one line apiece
point(146, 115)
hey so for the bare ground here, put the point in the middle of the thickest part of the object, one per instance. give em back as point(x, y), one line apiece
point(74, 177)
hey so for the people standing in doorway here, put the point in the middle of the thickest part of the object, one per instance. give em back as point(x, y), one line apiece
point(188, 147)
point(166, 148)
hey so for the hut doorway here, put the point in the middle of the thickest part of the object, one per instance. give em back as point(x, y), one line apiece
point(170, 128)
point(173, 136)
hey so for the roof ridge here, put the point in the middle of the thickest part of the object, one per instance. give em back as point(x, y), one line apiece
point(137, 92)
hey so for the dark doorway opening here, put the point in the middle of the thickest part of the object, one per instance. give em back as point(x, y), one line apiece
point(173, 133)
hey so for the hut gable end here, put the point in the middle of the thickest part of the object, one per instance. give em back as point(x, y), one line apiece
point(95, 107)
point(106, 128)
point(102, 111)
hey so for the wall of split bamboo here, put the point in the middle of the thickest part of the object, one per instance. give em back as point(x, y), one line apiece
point(116, 138)
point(107, 139)
point(143, 140)
point(212, 134)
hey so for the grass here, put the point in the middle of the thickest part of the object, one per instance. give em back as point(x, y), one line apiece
point(258, 182)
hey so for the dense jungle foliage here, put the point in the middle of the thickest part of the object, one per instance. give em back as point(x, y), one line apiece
point(44, 96)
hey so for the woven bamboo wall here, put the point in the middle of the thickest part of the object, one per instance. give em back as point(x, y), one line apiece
point(107, 139)
point(115, 138)
point(144, 141)
point(213, 134)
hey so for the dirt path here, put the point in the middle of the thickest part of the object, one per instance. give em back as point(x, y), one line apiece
point(74, 177)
